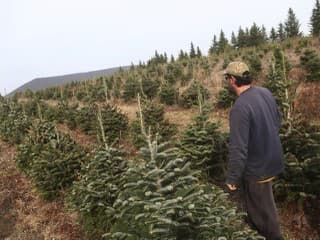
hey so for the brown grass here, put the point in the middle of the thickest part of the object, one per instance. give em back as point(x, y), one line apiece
point(23, 215)
point(307, 100)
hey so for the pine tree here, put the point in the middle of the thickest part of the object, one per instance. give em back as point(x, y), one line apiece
point(256, 37)
point(315, 20)
point(292, 25)
point(162, 199)
point(281, 32)
point(234, 41)
point(214, 49)
point(199, 54)
point(14, 123)
point(222, 43)
point(242, 40)
point(264, 34)
point(300, 140)
point(203, 145)
point(52, 159)
point(192, 51)
point(190, 96)
point(172, 59)
point(311, 63)
point(273, 34)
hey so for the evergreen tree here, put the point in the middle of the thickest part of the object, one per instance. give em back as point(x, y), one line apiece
point(181, 55)
point(292, 25)
point(234, 41)
point(281, 32)
point(98, 187)
point(163, 199)
point(222, 43)
point(172, 59)
point(14, 123)
point(199, 54)
point(311, 63)
point(255, 36)
point(264, 34)
point(315, 20)
point(226, 97)
point(52, 159)
point(190, 96)
point(273, 34)
point(206, 147)
point(168, 95)
point(130, 89)
point(192, 51)
point(242, 38)
point(214, 49)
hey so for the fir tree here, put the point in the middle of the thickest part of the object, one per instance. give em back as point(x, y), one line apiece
point(222, 43)
point(214, 49)
point(192, 51)
point(273, 34)
point(199, 54)
point(162, 199)
point(52, 159)
point(172, 59)
point(311, 63)
point(234, 41)
point(281, 32)
point(255, 36)
point(203, 145)
point(264, 34)
point(315, 20)
point(242, 38)
point(190, 96)
point(292, 25)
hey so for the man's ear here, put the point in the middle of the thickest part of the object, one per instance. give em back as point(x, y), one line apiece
point(232, 80)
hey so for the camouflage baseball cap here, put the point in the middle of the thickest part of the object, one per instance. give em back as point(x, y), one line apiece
point(236, 69)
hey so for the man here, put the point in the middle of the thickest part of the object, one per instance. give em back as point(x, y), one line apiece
point(256, 154)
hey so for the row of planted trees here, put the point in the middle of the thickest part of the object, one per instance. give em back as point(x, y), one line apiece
point(159, 195)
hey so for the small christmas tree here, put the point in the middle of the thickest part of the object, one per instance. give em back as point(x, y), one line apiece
point(52, 159)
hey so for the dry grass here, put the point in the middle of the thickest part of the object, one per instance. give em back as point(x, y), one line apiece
point(23, 215)
point(307, 101)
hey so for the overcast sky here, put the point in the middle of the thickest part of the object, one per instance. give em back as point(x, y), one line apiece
point(41, 38)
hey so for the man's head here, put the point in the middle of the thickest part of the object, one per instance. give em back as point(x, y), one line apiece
point(237, 73)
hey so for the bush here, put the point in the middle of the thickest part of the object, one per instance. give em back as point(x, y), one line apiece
point(130, 89)
point(154, 119)
point(150, 87)
point(302, 158)
point(162, 199)
point(205, 147)
point(52, 159)
point(311, 63)
point(168, 95)
point(226, 97)
point(14, 124)
point(94, 194)
point(190, 96)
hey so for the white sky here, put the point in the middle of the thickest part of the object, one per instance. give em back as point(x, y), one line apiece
point(41, 38)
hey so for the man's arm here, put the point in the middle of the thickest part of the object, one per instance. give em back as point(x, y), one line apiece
point(238, 149)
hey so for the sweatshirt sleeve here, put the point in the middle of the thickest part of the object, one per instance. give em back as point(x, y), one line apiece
point(238, 148)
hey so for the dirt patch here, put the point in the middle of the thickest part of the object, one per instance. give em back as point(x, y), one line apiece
point(79, 137)
point(307, 100)
point(23, 215)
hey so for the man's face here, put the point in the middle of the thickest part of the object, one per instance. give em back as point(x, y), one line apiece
point(230, 80)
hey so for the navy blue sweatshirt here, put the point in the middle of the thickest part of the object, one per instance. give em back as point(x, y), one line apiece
point(255, 147)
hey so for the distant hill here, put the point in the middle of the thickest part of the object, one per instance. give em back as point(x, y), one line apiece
point(46, 82)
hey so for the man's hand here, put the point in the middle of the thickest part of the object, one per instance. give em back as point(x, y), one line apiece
point(232, 187)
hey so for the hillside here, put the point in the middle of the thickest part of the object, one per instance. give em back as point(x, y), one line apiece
point(174, 96)
point(46, 82)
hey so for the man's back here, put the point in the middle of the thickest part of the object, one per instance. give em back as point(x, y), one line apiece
point(255, 147)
